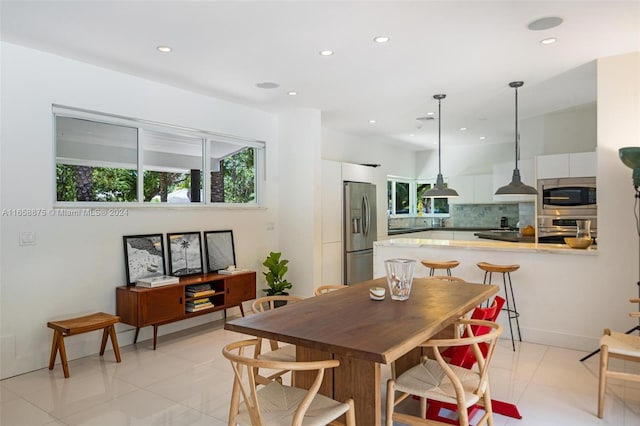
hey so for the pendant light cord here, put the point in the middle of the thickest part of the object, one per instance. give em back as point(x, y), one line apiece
point(439, 147)
point(517, 135)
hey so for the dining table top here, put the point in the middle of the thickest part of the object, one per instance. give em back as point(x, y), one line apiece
point(350, 323)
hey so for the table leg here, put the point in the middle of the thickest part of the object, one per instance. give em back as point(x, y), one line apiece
point(360, 380)
point(155, 336)
point(135, 338)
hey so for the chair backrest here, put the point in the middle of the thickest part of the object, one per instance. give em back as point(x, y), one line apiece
point(445, 278)
point(267, 303)
point(244, 384)
point(473, 341)
point(463, 355)
point(328, 288)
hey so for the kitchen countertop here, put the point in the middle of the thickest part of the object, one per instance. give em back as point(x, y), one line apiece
point(487, 245)
point(512, 236)
point(409, 230)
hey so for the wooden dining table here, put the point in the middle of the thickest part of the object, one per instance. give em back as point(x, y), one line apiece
point(363, 333)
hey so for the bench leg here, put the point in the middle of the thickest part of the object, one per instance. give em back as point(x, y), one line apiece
point(63, 355)
point(54, 349)
point(105, 336)
point(114, 342)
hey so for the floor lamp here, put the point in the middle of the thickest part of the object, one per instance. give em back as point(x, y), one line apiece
point(630, 156)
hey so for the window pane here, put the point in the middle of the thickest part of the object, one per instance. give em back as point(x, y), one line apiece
point(390, 196)
point(233, 173)
point(402, 197)
point(440, 205)
point(172, 168)
point(95, 161)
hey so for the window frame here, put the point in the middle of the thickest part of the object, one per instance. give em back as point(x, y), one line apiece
point(413, 197)
point(207, 138)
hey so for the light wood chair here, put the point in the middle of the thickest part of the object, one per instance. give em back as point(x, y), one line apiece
point(275, 403)
point(437, 380)
point(278, 351)
point(447, 278)
point(621, 346)
point(328, 288)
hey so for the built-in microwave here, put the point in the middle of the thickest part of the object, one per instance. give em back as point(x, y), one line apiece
point(567, 197)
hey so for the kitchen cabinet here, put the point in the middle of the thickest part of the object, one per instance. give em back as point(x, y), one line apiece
point(502, 174)
point(472, 189)
point(331, 201)
point(332, 263)
point(579, 164)
point(357, 173)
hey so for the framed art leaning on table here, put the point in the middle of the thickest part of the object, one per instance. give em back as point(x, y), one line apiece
point(143, 256)
point(185, 253)
point(219, 249)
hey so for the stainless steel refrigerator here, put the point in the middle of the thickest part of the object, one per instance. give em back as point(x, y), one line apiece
point(359, 231)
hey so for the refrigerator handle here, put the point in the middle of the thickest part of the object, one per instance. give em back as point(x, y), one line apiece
point(366, 215)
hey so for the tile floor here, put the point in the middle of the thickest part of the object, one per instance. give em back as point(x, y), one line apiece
point(186, 381)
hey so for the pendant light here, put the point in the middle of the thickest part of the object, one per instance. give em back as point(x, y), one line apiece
point(516, 187)
point(439, 190)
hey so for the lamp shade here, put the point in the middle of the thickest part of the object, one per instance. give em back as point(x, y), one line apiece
point(516, 187)
point(439, 190)
point(630, 157)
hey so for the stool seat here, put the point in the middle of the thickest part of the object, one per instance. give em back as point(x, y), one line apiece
point(447, 264)
point(78, 325)
point(492, 267)
point(439, 264)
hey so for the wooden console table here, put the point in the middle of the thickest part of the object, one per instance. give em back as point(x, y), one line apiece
point(141, 306)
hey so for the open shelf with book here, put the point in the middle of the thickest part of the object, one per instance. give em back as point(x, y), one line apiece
point(194, 295)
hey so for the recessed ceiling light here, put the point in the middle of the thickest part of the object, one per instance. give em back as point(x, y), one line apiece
point(545, 23)
point(381, 39)
point(431, 113)
point(412, 134)
point(549, 40)
point(372, 121)
point(292, 93)
point(267, 85)
point(164, 49)
point(482, 138)
point(463, 128)
point(326, 52)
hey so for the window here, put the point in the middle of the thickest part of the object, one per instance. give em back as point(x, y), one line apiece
point(104, 158)
point(404, 194)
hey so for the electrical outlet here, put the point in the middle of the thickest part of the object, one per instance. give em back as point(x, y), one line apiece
point(27, 238)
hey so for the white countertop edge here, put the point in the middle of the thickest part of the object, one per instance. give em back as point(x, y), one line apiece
point(487, 245)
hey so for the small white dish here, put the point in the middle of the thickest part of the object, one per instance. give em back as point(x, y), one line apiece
point(377, 293)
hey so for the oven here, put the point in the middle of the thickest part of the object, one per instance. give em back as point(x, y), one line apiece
point(567, 197)
point(553, 229)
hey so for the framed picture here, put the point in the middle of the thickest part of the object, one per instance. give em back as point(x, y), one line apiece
point(185, 253)
point(220, 250)
point(143, 256)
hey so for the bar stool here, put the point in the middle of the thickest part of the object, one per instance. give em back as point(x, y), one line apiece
point(511, 309)
point(434, 264)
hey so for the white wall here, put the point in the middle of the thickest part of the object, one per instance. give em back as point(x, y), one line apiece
point(78, 262)
point(463, 160)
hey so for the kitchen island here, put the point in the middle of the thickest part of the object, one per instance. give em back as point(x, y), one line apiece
point(553, 280)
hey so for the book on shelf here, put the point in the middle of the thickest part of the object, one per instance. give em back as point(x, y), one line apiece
point(198, 288)
point(201, 307)
point(157, 281)
point(228, 272)
point(209, 292)
point(200, 301)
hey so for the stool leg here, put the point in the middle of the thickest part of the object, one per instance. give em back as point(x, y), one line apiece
point(484, 281)
point(114, 342)
point(54, 349)
point(506, 297)
point(516, 314)
point(448, 272)
point(432, 272)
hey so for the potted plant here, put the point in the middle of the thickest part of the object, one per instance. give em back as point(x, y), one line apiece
point(276, 284)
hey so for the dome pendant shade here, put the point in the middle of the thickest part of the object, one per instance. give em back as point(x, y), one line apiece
point(439, 190)
point(516, 186)
point(630, 157)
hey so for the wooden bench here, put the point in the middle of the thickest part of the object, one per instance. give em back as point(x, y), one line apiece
point(69, 327)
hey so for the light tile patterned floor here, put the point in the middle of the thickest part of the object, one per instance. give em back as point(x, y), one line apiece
point(186, 381)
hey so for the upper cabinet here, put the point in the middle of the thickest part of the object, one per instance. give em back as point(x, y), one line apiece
point(579, 164)
point(357, 173)
point(474, 189)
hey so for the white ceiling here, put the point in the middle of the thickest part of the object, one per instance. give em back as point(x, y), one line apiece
point(469, 50)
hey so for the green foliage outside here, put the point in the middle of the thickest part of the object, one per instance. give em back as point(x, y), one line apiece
point(120, 185)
